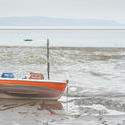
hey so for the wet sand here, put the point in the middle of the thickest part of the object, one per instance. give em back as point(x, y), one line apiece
point(96, 90)
point(39, 112)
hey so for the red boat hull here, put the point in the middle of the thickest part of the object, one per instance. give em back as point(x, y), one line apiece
point(32, 88)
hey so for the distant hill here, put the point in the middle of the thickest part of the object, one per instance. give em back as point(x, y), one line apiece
point(48, 21)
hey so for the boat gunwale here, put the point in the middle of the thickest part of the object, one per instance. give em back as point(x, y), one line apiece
point(32, 80)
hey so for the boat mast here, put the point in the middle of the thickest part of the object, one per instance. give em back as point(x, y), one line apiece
point(48, 68)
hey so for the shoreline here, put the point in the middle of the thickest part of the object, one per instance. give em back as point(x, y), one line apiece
point(63, 47)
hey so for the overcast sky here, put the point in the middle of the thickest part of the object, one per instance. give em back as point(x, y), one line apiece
point(81, 9)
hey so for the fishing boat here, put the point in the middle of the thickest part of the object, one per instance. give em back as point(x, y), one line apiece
point(33, 86)
point(28, 40)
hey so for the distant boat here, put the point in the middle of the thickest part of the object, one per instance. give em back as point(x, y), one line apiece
point(28, 40)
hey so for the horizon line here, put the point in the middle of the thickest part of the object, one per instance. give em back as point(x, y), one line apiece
point(62, 27)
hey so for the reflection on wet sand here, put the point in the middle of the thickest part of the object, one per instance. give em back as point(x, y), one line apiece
point(48, 105)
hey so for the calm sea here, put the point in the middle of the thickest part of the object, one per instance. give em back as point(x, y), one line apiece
point(84, 38)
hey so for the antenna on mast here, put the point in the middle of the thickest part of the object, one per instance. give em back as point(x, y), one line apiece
point(48, 65)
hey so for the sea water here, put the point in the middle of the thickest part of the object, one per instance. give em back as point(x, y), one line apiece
point(75, 38)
